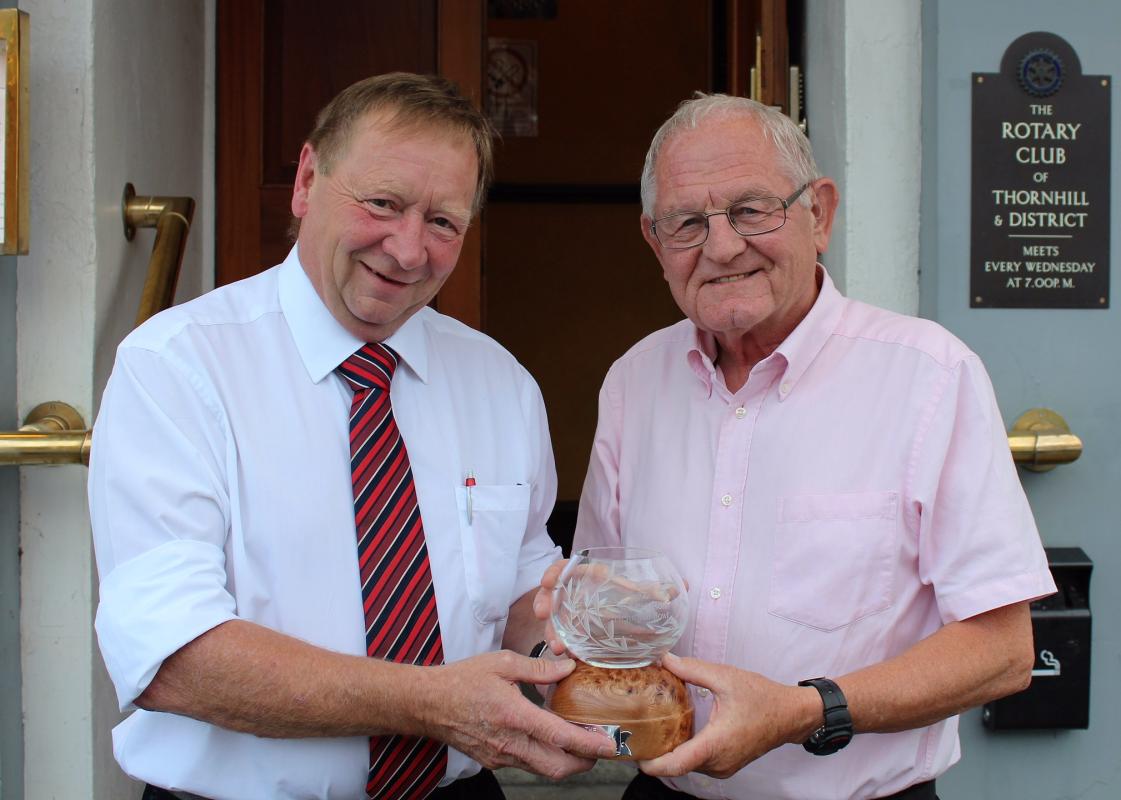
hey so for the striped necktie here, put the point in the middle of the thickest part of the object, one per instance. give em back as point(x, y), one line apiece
point(397, 594)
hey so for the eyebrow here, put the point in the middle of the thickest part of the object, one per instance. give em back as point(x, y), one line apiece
point(393, 190)
point(751, 193)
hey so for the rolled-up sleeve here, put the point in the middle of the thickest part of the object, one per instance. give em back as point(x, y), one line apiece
point(978, 543)
point(160, 513)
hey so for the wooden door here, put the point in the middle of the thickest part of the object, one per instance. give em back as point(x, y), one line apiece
point(279, 62)
point(556, 269)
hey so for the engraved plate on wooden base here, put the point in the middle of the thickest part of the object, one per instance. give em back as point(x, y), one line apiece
point(650, 705)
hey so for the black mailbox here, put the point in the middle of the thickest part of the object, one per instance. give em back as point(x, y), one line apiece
point(1059, 695)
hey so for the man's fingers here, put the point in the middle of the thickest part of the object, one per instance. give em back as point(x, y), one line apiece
point(549, 579)
point(535, 670)
point(551, 762)
point(691, 670)
point(569, 737)
point(555, 644)
point(687, 757)
point(542, 604)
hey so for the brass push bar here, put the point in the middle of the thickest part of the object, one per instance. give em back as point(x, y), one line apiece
point(54, 433)
point(1041, 440)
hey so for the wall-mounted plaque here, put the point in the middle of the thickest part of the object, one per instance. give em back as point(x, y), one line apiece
point(14, 141)
point(1041, 166)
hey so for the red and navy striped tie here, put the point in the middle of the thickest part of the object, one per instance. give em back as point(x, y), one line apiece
point(397, 594)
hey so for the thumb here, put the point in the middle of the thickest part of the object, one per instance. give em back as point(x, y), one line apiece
point(540, 670)
point(690, 670)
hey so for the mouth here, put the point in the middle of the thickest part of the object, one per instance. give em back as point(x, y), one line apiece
point(382, 276)
point(737, 277)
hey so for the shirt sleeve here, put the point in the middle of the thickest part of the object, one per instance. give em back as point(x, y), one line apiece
point(978, 543)
point(160, 514)
point(538, 550)
point(598, 521)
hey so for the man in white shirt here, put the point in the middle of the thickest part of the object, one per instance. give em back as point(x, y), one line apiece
point(238, 613)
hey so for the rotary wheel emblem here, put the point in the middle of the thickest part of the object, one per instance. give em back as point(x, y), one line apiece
point(1041, 73)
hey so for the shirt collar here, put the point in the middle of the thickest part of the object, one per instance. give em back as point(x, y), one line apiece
point(702, 358)
point(798, 349)
point(323, 343)
point(803, 344)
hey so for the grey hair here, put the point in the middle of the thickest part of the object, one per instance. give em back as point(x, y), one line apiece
point(795, 154)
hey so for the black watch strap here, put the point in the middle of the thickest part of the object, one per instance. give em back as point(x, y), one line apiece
point(836, 731)
point(538, 649)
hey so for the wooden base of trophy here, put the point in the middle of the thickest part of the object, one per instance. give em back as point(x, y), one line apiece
point(650, 705)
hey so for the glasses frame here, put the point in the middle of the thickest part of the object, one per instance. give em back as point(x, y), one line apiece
point(727, 212)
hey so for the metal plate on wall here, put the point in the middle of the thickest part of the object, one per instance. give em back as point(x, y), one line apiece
point(1041, 167)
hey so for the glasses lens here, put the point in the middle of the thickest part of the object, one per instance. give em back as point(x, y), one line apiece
point(757, 216)
point(681, 230)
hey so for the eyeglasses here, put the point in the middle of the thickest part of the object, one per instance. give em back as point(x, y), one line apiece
point(747, 217)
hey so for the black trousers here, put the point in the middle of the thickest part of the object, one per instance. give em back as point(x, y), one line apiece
point(483, 786)
point(643, 787)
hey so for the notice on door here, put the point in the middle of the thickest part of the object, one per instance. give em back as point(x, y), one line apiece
point(1041, 167)
point(511, 90)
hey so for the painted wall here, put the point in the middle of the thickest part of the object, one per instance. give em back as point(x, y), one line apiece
point(56, 283)
point(117, 90)
point(1066, 360)
point(863, 70)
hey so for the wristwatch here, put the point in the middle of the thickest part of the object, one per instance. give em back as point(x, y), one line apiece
point(538, 649)
point(837, 731)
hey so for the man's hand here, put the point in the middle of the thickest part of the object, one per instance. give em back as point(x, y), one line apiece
point(543, 604)
point(751, 716)
point(476, 707)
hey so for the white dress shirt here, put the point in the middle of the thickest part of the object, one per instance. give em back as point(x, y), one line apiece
point(220, 489)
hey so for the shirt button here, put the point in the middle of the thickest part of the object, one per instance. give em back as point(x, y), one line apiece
point(714, 593)
point(741, 412)
point(726, 500)
point(785, 388)
point(703, 692)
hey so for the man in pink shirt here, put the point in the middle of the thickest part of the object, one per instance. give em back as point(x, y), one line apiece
point(832, 479)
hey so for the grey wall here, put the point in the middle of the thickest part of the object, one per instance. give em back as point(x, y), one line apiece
point(11, 711)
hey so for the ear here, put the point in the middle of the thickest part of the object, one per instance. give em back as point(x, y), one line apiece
point(305, 177)
point(645, 222)
point(825, 199)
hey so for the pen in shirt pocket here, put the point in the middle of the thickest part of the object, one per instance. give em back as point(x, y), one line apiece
point(468, 482)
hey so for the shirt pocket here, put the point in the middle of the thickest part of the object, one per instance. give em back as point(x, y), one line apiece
point(491, 538)
point(833, 558)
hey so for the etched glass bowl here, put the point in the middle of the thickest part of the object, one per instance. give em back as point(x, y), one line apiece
point(619, 607)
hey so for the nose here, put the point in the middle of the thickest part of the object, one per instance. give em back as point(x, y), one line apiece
point(406, 243)
point(723, 243)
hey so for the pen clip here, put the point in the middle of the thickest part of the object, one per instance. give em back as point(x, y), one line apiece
point(469, 482)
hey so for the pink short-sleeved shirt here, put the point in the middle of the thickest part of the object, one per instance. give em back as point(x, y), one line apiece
point(856, 494)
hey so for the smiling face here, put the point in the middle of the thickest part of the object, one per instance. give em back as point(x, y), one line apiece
point(382, 229)
point(735, 287)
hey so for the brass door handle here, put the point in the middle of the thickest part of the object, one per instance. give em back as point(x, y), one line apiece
point(1041, 440)
point(171, 217)
point(53, 433)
